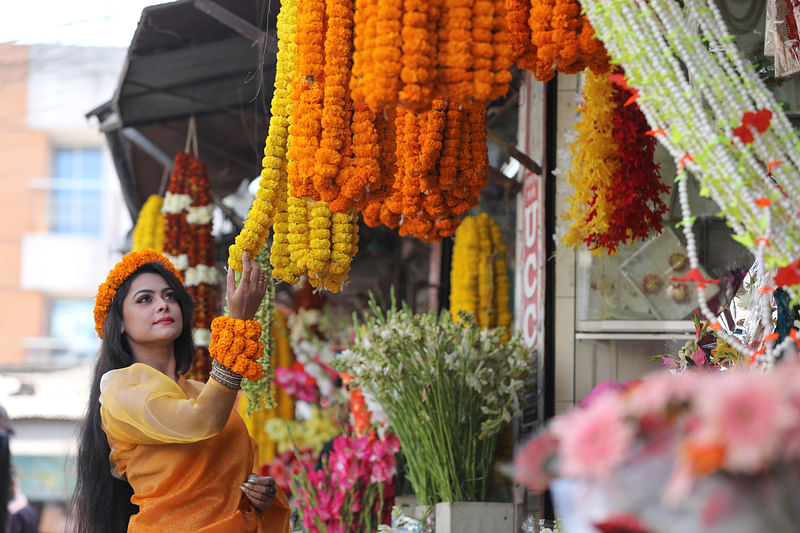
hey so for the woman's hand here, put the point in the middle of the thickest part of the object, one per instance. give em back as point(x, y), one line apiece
point(243, 301)
point(260, 491)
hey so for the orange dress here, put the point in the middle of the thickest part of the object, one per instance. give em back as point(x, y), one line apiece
point(165, 438)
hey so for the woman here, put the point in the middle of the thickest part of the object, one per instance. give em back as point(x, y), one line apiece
point(158, 452)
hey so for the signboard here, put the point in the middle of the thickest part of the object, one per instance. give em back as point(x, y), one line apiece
point(532, 261)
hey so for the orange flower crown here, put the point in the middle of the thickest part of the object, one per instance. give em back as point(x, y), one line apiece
point(129, 264)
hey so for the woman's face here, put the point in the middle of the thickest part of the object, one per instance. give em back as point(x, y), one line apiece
point(150, 311)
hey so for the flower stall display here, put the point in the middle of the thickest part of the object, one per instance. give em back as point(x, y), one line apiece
point(400, 136)
point(354, 489)
point(617, 185)
point(149, 229)
point(720, 122)
point(188, 212)
point(705, 350)
point(549, 36)
point(700, 451)
point(479, 276)
point(446, 388)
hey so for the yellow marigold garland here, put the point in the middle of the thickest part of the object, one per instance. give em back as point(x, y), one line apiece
point(479, 276)
point(298, 235)
point(502, 283)
point(129, 264)
point(464, 269)
point(594, 163)
point(272, 185)
point(319, 242)
point(149, 229)
point(486, 310)
point(235, 344)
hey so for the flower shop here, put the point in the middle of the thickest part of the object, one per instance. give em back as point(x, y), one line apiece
point(519, 248)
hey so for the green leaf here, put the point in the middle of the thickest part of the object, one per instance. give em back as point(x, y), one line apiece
point(745, 240)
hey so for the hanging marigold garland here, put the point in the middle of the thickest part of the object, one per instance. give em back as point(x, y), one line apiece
point(479, 276)
point(271, 195)
point(149, 229)
point(618, 187)
point(549, 36)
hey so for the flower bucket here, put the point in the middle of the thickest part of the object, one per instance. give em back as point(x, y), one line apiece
point(474, 517)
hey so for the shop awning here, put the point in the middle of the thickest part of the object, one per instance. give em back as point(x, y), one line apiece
point(213, 60)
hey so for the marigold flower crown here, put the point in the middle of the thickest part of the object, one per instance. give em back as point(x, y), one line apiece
point(129, 264)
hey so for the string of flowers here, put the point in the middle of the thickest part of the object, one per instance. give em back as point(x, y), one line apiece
point(483, 20)
point(149, 229)
point(257, 419)
point(259, 392)
point(201, 274)
point(464, 269)
point(454, 53)
point(594, 163)
point(503, 56)
point(307, 98)
point(479, 279)
point(176, 203)
point(724, 127)
point(335, 117)
point(271, 196)
point(382, 81)
point(419, 53)
point(554, 37)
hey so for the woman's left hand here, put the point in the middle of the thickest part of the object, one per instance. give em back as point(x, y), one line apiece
point(260, 490)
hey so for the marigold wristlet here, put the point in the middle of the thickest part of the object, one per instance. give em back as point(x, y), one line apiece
point(235, 345)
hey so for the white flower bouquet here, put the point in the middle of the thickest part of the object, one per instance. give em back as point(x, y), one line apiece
point(446, 387)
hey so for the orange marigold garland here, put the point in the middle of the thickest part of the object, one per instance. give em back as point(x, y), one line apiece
point(129, 264)
point(517, 13)
point(235, 343)
point(307, 97)
point(383, 81)
point(503, 54)
point(419, 53)
point(558, 38)
point(335, 123)
point(482, 48)
point(455, 50)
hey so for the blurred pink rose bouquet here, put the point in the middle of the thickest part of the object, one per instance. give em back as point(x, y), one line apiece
point(353, 491)
point(716, 451)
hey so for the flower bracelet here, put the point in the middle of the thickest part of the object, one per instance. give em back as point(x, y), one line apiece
point(235, 346)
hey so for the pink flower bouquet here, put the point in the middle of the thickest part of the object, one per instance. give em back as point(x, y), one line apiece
point(710, 451)
point(354, 491)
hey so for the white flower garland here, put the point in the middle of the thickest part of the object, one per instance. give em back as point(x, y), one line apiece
point(694, 90)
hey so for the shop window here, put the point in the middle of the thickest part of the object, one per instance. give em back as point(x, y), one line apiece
point(76, 191)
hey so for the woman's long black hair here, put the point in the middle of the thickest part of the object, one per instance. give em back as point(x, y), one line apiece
point(101, 503)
